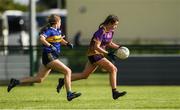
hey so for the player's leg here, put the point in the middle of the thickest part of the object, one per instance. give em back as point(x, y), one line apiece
point(42, 74)
point(59, 66)
point(107, 65)
point(89, 68)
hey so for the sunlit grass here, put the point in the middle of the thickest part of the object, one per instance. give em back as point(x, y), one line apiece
point(96, 94)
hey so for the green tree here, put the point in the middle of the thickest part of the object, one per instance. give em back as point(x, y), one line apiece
point(52, 3)
point(48, 3)
point(10, 5)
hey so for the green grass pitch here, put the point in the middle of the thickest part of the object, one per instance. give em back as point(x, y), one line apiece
point(96, 94)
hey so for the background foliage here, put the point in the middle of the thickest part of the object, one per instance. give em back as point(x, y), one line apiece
point(41, 5)
point(10, 5)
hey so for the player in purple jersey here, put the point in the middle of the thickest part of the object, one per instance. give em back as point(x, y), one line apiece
point(101, 39)
point(51, 38)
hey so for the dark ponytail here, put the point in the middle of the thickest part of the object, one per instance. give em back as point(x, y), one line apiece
point(44, 28)
point(110, 19)
point(101, 24)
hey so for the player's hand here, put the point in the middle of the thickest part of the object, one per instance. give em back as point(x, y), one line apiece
point(119, 47)
point(111, 56)
point(54, 49)
point(70, 45)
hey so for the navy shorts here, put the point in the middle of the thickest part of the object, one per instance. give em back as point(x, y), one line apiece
point(48, 57)
point(95, 58)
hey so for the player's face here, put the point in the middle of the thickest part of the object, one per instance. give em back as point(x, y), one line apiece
point(114, 26)
point(59, 24)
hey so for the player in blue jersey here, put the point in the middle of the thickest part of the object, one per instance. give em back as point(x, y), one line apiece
point(101, 39)
point(51, 39)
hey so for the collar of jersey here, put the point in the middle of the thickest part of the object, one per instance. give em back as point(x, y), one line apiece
point(53, 28)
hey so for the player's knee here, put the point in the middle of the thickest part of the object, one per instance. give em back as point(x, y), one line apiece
point(113, 69)
point(68, 71)
point(85, 76)
point(39, 80)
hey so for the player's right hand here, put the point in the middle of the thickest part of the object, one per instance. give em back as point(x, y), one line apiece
point(70, 45)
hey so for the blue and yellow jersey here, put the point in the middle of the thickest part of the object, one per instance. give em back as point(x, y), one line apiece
point(54, 37)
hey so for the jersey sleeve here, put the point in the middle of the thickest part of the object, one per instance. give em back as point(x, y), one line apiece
point(98, 35)
point(46, 33)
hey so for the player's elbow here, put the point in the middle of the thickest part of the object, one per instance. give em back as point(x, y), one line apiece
point(41, 38)
point(96, 47)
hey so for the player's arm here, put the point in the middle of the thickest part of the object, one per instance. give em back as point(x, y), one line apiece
point(64, 42)
point(98, 48)
point(113, 45)
point(44, 41)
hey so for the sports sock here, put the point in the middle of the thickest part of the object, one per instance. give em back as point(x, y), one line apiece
point(113, 90)
point(17, 82)
point(69, 93)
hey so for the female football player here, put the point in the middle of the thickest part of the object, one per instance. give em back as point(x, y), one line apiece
point(101, 39)
point(51, 38)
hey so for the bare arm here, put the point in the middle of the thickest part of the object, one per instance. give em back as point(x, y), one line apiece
point(43, 41)
point(113, 45)
point(98, 48)
point(64, 42)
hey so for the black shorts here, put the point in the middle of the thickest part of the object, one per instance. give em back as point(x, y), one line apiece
point(48, 57)
point(95, 58)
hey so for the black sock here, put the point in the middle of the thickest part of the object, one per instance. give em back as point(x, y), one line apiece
point(62, 79)
point(17, 82)
point(113, 90)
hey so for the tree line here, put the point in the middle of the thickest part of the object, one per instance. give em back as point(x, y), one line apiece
point(40, 5)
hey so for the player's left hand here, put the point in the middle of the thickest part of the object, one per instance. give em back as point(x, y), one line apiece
point(53, 49)
point(70, 45)
point(111, 56)
point(119, 46)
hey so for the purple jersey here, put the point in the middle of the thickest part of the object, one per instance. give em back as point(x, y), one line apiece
point(102, 36)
